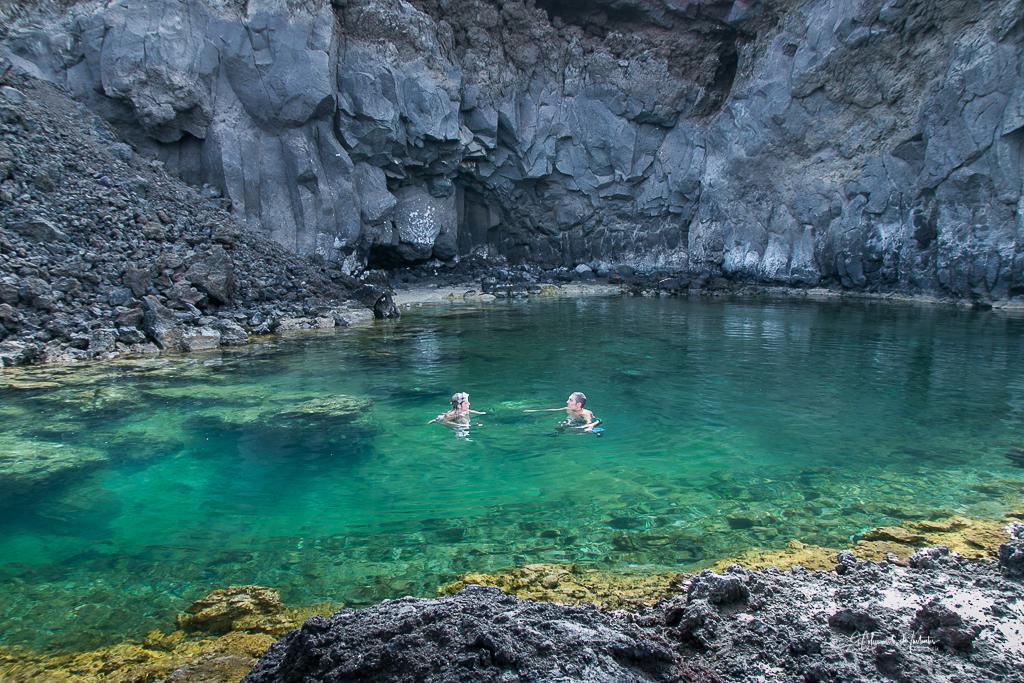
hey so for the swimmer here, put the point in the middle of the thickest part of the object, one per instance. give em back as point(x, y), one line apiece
point(577, 416)
point(458, 416)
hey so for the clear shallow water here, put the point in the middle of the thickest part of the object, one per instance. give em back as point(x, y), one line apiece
point(729, 425)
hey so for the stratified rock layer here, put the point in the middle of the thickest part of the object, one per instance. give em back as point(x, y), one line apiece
point(864, 145)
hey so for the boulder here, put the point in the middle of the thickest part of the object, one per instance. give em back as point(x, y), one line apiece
point(213, 273)
point(160, 324)
point(854, 621)
point(378, 299)
point(200, 339)
point(425, 225)
point(292, 324)
point(231, 333)
point(17, 353)
point(102, 340)
point(119, 296)
point(346, 317)
point(138, 279)
point(37, 230)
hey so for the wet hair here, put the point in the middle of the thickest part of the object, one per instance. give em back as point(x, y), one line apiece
point(458, 398)
point(579, 397)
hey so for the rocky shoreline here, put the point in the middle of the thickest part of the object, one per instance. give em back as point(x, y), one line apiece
point(884, 609)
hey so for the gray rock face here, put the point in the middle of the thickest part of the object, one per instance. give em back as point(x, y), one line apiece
point(868, 145)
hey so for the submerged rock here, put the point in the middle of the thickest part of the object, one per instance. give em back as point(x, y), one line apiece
point(28, 463)
point(334, 407)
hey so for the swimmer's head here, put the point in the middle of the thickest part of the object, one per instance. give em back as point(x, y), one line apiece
point(459, 398)
point(577, 397)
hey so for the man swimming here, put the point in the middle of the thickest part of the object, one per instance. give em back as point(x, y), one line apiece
point(577, 416)
point(458, 416)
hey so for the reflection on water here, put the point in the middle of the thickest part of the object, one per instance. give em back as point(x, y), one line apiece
point(130, 489)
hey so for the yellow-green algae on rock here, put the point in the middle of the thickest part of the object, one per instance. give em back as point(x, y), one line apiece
point(571, 584)
point(219, 639)
point(976, 539)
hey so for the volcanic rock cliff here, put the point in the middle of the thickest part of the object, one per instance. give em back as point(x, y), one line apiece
point(865, 144)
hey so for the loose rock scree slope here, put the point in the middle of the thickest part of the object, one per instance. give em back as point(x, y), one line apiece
point(101, 252)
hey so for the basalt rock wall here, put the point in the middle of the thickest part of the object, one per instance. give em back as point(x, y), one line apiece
point(866, 144)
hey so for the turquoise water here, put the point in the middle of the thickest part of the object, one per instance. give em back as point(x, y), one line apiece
point(729, 425)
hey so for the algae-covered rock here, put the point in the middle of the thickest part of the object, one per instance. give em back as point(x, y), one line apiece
point(971, 538)
point(894, 534)
point(974, 539)
point(210, 391)
point(209, 660)
point(245, 609)
point(255, 618)
point(571, 585)
point(795, 554)
point(220, 609)
point(548, 290)
point(244, 404)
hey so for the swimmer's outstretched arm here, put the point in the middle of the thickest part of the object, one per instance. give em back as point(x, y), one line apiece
point(545, 410)
point(476, 412)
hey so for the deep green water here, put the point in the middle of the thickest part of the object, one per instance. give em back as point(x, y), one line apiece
point(729, 425)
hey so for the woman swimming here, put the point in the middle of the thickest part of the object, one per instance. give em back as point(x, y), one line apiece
point(459, 416)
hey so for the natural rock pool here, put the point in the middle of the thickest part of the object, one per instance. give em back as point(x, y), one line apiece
point(130, 489)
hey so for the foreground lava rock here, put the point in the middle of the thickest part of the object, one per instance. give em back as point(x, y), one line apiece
point(479, 634)
point(940, 618)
